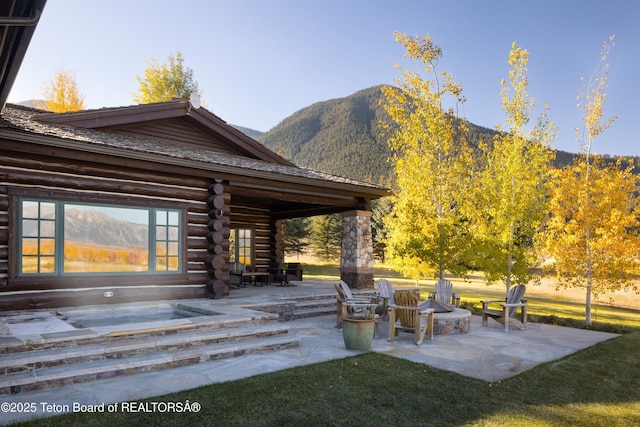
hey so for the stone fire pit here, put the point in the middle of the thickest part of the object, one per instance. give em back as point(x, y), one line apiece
point(449, 320)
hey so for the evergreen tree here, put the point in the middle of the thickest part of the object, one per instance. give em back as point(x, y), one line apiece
point(326, 236)
point(379, 211)
point(296, 236)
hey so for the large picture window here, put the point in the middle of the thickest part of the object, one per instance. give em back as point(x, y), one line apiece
point(59, 238)
point(241, 245)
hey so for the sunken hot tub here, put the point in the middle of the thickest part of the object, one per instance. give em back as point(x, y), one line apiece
point(124, 314)
point(448, 320)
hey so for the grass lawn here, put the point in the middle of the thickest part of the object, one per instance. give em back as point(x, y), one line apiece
point(594, 387)
point(597, 386)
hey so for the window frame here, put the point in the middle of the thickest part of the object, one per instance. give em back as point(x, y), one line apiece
point(33, 281)
point(234, 249)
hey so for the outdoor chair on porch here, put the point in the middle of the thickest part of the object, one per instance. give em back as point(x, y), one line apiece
point(277, 274)
point(508, 309)
point(294, 272)
point(237, 272)
point(347, 304)
point(444, 293)
point(385, 295)
point(406, 315)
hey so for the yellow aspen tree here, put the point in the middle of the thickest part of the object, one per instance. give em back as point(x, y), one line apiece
point(61, 93)
point(164, 82)
point(509, 197)
point(426, 230)
point(592, 233)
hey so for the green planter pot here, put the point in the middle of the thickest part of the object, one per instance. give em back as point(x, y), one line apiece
point(357, 333)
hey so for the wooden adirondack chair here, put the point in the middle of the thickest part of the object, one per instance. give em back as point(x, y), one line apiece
point(406, 315)
point(385, 294)
point(444, 293)
point(508, 309)
point(347, 304)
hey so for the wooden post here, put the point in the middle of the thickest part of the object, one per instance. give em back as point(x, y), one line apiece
point(218, 237)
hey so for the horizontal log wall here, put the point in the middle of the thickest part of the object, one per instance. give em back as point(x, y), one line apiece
point(258, 220)
point(91, 183)
point(4, 235)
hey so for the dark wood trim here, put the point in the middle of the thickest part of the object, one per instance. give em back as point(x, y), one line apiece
point(97, 198)
point(52, 300)
point(73, 281)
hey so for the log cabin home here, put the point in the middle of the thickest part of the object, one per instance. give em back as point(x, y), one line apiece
point(147, 202)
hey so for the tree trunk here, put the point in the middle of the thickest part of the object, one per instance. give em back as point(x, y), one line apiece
point(507, 281)
point(588, 305)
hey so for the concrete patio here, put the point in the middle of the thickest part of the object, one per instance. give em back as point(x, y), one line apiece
point(488, 354)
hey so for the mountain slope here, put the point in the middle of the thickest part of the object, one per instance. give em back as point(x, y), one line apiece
point(255, 134)
point(339, 136)
point(344, 137)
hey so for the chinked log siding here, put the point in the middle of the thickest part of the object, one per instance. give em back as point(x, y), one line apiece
point(256, 219)
point(87, 182)
point(4, 235)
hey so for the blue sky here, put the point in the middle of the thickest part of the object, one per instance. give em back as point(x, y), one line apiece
point(257, 62)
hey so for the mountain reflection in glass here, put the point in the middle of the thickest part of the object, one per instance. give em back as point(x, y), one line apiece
point(167, 240)
point(101, 239)
point(38, 240)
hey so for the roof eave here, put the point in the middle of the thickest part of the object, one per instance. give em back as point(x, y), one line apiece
point(16, 32)
point(357, 190)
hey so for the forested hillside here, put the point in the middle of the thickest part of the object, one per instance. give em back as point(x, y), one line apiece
point(255, 134)
point(339, 136)
point(343, 136)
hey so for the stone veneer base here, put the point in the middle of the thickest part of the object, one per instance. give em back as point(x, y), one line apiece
point(452, 323)
point(358, 280)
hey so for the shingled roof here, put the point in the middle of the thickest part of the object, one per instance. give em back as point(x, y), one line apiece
point(26, 121)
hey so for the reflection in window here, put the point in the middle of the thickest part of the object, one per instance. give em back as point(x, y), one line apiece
point(167, 240)
point(65, 238)
point(38, 237)
point(240, 245)
point(99, 239)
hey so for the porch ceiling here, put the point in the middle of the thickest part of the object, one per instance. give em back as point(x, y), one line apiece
point(18, 20)
point(291, 203)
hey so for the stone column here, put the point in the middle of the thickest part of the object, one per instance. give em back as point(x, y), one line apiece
point(356, 261)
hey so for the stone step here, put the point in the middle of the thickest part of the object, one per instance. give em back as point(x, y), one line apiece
point(302, 305)
point(35, 360)
point(314, 312)
point(298, 307)
point(22, 382)
point(315, 305)
point(135, 332)
point(318, 297)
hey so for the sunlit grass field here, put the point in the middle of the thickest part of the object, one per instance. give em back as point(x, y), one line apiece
point(617, 308)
